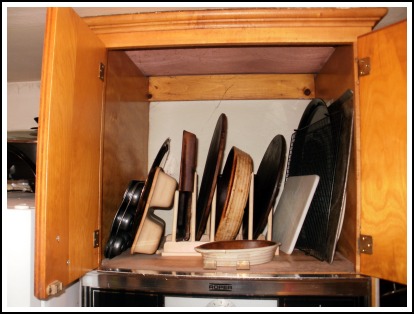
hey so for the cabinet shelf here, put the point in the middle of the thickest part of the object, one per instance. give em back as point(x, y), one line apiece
point(296, 263)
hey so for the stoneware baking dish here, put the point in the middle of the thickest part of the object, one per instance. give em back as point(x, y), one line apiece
point(151, 228)
point(237, 252)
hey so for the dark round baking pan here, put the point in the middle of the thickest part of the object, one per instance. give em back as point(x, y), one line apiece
point(210, 174)
point(316, 110)
point(267, 184)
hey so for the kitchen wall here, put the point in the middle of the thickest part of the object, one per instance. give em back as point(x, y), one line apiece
point(23, 99)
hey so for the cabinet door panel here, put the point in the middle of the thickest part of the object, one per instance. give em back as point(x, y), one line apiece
point(383, 98)
point(68, 194)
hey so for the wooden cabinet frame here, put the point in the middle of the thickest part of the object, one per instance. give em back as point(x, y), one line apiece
point(79, 114)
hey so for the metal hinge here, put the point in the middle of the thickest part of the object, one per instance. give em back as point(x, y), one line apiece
point(101, 71)
point(54, 288)
point(366, 244)
point(96, 238)
point(364, 66)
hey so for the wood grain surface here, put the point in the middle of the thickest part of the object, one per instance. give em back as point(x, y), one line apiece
point(383, 97)
point(235, 27)
point(126, 131)
point(296, 263)
point(218, 87)
point(68, 198)
point(230, 60)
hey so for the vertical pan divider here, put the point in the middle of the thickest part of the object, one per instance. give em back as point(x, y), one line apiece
point(213, 217)
point(269, 226)
point(251, 196)
point(193, 209)
point(186, 248)
point(175, 213)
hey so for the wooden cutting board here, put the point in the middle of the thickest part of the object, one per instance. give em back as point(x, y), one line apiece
point(291, 210)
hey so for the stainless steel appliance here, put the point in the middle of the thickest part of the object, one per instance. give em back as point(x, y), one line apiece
point(141, 288)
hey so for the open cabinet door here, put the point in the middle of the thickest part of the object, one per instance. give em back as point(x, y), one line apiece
point(383, 103)
point(68, 186)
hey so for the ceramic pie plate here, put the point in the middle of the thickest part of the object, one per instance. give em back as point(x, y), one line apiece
point(235, 252)
point(232, 194)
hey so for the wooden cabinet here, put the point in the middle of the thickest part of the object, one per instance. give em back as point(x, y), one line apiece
point(383, 151)
point(93, 97)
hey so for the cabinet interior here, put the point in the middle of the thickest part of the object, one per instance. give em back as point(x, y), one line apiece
point(137, 80)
